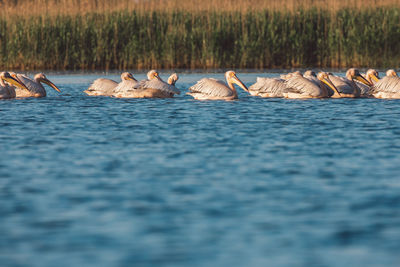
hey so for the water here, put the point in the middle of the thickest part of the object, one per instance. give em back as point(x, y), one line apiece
point(96, 181)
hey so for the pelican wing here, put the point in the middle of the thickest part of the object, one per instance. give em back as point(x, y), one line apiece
point(364, 89)
point(212, 87)
point(125, 86)
point(387, 84)
point(103, 85)
point(158, 85)
point(343, 85)
point(273, 86)
point(29, 83)
point(300, 85)
point(313, 79)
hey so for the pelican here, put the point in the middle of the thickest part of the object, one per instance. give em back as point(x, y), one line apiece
point(372, 77)
point(387, 87)
point(7, 83)
point(346, 87)
point(301, 87)
point(212, 89)
point(35, 88)
point(312, 76)
point(268, 87)
point(153, 87)
point(105, 87)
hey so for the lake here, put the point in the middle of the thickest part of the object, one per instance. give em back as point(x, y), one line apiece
point(99, 181)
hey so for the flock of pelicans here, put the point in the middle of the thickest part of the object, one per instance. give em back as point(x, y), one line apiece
point(291, 85)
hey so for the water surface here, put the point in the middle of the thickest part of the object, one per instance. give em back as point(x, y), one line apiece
point(98, 181)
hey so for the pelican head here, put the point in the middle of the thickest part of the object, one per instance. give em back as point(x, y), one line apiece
point(153, 74)
point(6, 76)
point(310, 73)
point(40, 77)
point(391, 72)
point(231, 78)
point(372, 75)
point(173, 78)
point(324, 77)
point(354, 74)
point(127, 76)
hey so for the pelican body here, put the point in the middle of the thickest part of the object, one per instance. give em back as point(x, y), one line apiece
point(8, 85)
point(301, 87)
point(153, 87)
point(212, 89)
point(34, 87)
point(387, 87)
point(268, 87)
point(346, 87)
point(105, 87)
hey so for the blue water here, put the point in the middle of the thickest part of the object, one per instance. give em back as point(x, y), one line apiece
point(97, 181)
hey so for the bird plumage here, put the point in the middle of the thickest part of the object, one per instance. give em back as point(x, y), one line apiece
point(268, 87)
point(212, 87)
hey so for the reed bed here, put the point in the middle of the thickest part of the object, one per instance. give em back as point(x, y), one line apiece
point(205, 39)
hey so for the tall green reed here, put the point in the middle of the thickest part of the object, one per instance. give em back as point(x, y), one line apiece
point(142, 40)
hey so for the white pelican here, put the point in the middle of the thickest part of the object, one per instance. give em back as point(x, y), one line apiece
point(346, 86)
point(301, 87)
point(387, 87)
point(105, 87)
point(7, 83)
point(268, 87)
point(312, 76)
point(35, 88)
point(157, 88)
point(153, 87)
point(212, 89)
point(372, 77)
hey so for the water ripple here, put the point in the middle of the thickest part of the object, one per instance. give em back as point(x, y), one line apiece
point(96, 181)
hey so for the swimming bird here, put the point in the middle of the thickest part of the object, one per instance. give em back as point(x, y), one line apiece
point(212, 89)
point(105, 87)
point(8, 85)
point(387, 87)
point(153, 87)
point(268, 87)
point(312, 76)
point(301, 87)
point(34, 87)
point(372, 77)
point(346, 85)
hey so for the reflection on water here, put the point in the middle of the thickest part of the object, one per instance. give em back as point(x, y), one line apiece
point(96, 181)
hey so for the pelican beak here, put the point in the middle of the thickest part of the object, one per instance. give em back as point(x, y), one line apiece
point(52, 85)
point(157, 76)
point(374, 77)
point(236, 80)
point(360, 78)
point(130, 77)
point(16, 82)
point(329, 83)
